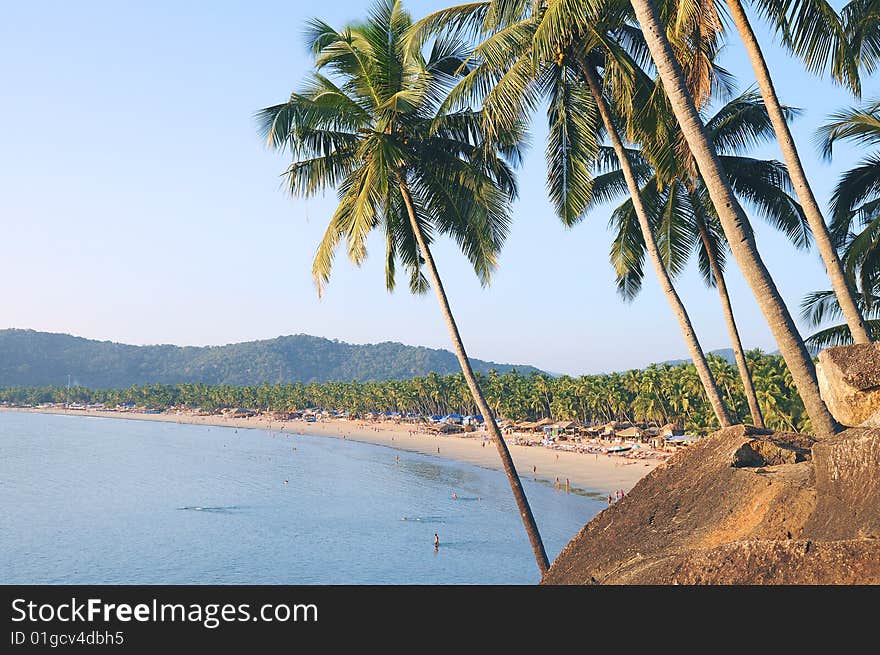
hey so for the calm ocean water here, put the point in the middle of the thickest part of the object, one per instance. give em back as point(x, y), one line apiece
point(90, 500)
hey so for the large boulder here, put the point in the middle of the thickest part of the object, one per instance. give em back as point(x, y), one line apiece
point(846, 474)
point(849, 382)
point(742, 506)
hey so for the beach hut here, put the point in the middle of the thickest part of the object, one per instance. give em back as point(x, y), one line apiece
point(671, 430)
point(239, 412)
point(609, 428)
point(566, 429)
point(631, 432)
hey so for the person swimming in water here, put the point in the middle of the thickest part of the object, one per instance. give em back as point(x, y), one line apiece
point(436, 541)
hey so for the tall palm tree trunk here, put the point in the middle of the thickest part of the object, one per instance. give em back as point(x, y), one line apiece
point(734, 222)
point(678, 308)
point(738, 353)
point(848, 307)
point(519, 494)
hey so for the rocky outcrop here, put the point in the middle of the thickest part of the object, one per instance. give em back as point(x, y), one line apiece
point(849, 382)
point(741, 507)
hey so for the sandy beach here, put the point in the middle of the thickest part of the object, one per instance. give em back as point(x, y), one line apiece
point(587, 472)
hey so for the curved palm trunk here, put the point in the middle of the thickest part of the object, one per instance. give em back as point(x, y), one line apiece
point(738, 353)
point(519, 494)
point(684, 321)
point(848, 307)
point(734, 222)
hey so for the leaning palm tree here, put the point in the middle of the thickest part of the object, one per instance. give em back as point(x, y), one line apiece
point(855, 225)
point(520, 61)
point(812, 29)
point(733, 219)
point(370, 123)
point(686, 221)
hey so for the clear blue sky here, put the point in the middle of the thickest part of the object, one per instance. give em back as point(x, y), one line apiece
point(139, 205)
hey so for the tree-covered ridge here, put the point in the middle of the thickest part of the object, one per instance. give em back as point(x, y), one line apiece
point(660, 393)
point(29, 358)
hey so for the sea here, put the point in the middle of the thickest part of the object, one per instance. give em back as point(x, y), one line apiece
point(86, 500)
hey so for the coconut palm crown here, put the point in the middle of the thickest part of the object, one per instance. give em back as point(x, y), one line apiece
point(369, 124)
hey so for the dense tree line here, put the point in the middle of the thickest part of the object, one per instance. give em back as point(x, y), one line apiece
point(660, 393)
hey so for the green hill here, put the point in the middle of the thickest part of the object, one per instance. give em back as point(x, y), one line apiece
point(30, 358)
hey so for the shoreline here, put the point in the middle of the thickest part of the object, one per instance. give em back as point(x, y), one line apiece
point(586, 472)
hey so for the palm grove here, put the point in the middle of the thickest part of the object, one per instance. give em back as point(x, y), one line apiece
point(660, 394)
point(418, 127)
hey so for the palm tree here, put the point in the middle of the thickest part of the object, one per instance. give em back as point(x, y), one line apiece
point(812, 29)
point(402, 164)
point(733, 220)
point(855, 225)
point(685, 219)
point(522, 60)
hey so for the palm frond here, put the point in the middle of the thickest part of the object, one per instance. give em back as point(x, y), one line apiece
point(861, 24)
point(853, 199)
point(628, 248)
point(839, 335)
point(463, 21)
point(743, 123)
point(765, 186)
point(814, 31)
point(571, 144)
point(674, 230)
point(820, 306)
point(858, 124)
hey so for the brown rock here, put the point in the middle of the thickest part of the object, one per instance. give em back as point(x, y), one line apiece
point(741, 507)
point(847, 479)
point(849, 382)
